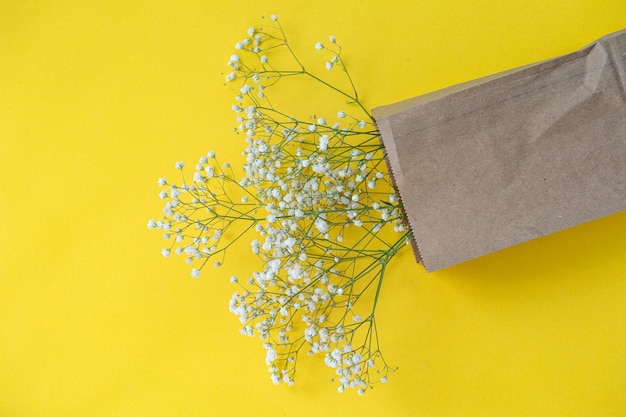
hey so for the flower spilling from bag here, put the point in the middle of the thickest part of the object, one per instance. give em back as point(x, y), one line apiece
point(314, 202)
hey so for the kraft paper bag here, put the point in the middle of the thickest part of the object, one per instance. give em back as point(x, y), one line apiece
point(497, 161)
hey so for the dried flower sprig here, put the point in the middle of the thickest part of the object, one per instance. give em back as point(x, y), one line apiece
point(317, 201)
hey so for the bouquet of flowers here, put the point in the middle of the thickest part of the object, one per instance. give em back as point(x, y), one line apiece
point(314, 201)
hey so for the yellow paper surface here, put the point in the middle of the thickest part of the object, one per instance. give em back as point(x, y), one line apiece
point(98, 99)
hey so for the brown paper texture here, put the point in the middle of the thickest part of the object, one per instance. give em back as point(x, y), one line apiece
point(511, 157)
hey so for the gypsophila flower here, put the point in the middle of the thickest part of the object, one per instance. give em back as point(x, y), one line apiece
point(311, 204)
point(323, 145)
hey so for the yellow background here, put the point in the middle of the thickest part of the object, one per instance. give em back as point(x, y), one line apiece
point(99, 98)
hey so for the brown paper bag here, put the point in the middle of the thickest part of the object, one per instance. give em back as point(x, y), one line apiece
point(494, 162)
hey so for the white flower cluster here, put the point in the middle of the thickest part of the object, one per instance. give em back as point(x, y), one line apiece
point(317, 195)
point(198, 214)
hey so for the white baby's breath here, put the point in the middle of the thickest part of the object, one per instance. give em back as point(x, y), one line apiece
point(316, 205)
